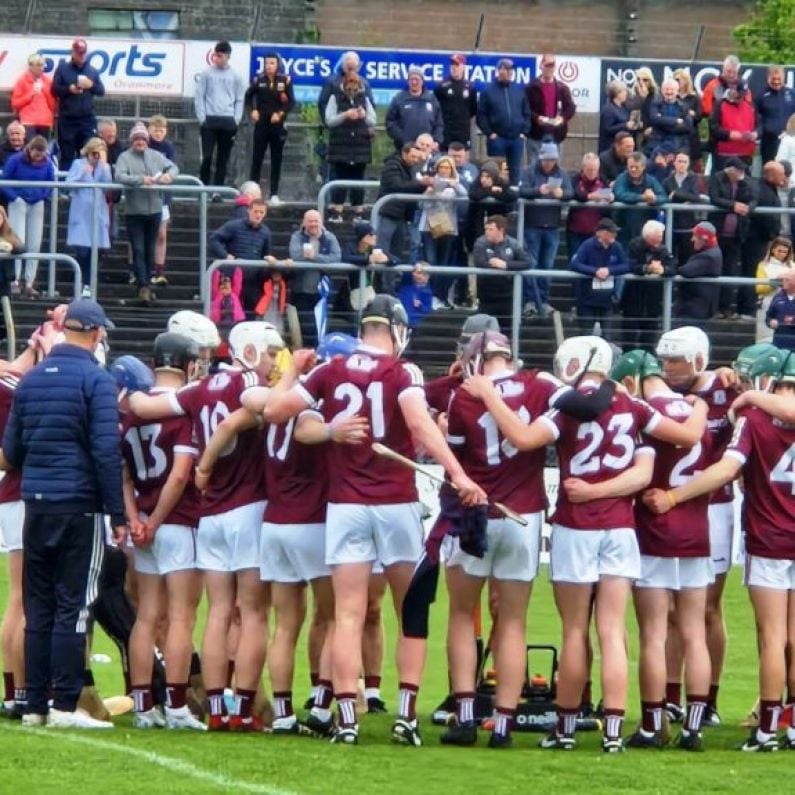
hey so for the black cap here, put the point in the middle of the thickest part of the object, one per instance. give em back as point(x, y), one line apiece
point(607, 225)
point(362, 229)
point(735, 162)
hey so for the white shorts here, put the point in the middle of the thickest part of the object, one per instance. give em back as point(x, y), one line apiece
point(512, 554)
point(165, 215)
point(12, 520)
point(721, 533)
point(584, 556)
point(230, 541)
point(292, 552)
point(366, 533)
point(675, 574)
point(770, 573)
point(173, 549)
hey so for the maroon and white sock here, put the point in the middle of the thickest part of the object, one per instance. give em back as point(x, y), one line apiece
point(372, 687)
point(176, 694)
point(503, 721)
point(695, 713)
point(673, 692)
point(283, 704)
point(769, 712)
point(324, 693)
point(142, 698)
point(465, 707)
point(614, 722)
point(244, 701)
point(8, 686)
point(407, 702)
point(216, 698)
point(567, 722)
point(346, 707)
point(651, 716)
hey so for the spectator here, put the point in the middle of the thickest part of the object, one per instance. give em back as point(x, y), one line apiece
point(26, 206)
point(688, 96)
point(543, 180)
point(417, 295)
point(699, 300)
point(439, 227)
point(729, 77)
point(9, 244)
point(637, 187)
point(109, 133)
point(458, 99)
point(467, 175)
point(613, 161)
point(660, 163)
point(248, 192)
point(781, 313)
point(272, 305)
point(467, 170)
point(350, 63)
point(601, 258)
point(642, 301)
point(504, 118)
point(773, 109)
point(489, 195)
point(220, 94)
point(786, 195)
point(32, 98)
point(310, 288)
point(397, 176)
point(551, 108)
point(14, 141)
point(244, 238)
point(644, 92)
point(735, 196)
point(733, 128)
point(615, 116)
point(350, 118)
point(588, 186)
point(413, 112)
point(495, 249)
point(777, 262)
point(269, 100)
point(91, 167)
point(158, 140)
point(786, 147)
point(139, 168)
point(683, 186)
point(225, 306)
point(364, 250)
point(669, 120)
point(75, 84)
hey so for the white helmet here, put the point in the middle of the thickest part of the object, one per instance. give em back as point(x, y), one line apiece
point(253, 332)
point(578, 355)
point(689, 343)
point(195, 327)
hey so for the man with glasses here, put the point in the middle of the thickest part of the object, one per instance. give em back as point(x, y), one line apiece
point(551, 108)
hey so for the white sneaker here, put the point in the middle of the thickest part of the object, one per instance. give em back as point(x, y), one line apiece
point(183, 718)
point(274, 200)
point(151, 719)
point(32, 719)
point(58, 719)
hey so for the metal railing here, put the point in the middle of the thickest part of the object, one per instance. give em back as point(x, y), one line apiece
point(54, 259)
point(331, 185)
point(517, 278)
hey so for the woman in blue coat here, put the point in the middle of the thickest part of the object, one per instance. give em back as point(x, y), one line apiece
point(92, 166)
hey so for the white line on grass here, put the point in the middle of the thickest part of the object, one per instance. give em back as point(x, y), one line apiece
point(168, 763)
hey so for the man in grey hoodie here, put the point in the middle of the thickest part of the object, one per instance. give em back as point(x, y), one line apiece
point(139, 167)
point(219, 108)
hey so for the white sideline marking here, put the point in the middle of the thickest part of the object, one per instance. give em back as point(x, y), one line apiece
point(169, 763)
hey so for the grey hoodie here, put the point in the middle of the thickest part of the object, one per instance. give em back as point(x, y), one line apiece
point(219, 92)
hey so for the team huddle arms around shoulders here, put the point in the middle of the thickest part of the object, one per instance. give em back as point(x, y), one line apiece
point(257, 473)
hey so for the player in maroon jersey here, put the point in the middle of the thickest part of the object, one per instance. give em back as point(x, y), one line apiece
point(227, 541)
point(594, 547)
point(373, 512)
point(684, 353)
point(762, 449)
point(676, 567)
point(163, 507)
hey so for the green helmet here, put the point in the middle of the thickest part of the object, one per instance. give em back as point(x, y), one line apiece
point(763, 352)
point(778, 363)
point(636, 363)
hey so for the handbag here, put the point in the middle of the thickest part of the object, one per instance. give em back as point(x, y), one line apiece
point(440, 224)
point(361, 296)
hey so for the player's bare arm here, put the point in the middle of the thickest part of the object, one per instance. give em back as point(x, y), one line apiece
point(782, 407)
point(712, 478)
point(311, 429)
point(629, 482)
point(684, 434)
point(130, 504)
point(152, 407)
point(171, 493)
point(237, 422)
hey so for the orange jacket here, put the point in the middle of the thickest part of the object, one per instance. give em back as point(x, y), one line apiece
point(34, 108)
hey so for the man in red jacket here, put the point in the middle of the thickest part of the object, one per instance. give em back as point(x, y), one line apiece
point(732, 128)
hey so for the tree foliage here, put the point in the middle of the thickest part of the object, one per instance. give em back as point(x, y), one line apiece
point(769, 34)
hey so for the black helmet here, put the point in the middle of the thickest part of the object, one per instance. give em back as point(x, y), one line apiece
point(386, 309)
point(174, 352)
point(475, 324)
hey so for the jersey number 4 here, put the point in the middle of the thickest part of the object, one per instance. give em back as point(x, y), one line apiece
point(150, 460)
point(784, 470)
point(588, 462)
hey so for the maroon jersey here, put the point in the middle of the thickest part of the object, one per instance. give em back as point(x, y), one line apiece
point(439, 391)
point(719, 400)
point(12, 480)
point(239, 475)
point(597, 451)
point(504, 473)
point(369, 383)
point(683, 532)
point(766, 448)
point(148, 449)
point(296, 475)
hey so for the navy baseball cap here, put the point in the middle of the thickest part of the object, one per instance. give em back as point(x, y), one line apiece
point(83, 314)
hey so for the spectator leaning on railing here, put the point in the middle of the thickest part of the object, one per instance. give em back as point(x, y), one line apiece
point(588, 186)
point(635, 186)
point(699, 300)
point(683, 186)
point(32, 98)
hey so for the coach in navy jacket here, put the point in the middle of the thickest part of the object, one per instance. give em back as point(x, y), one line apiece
point(63, 436)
